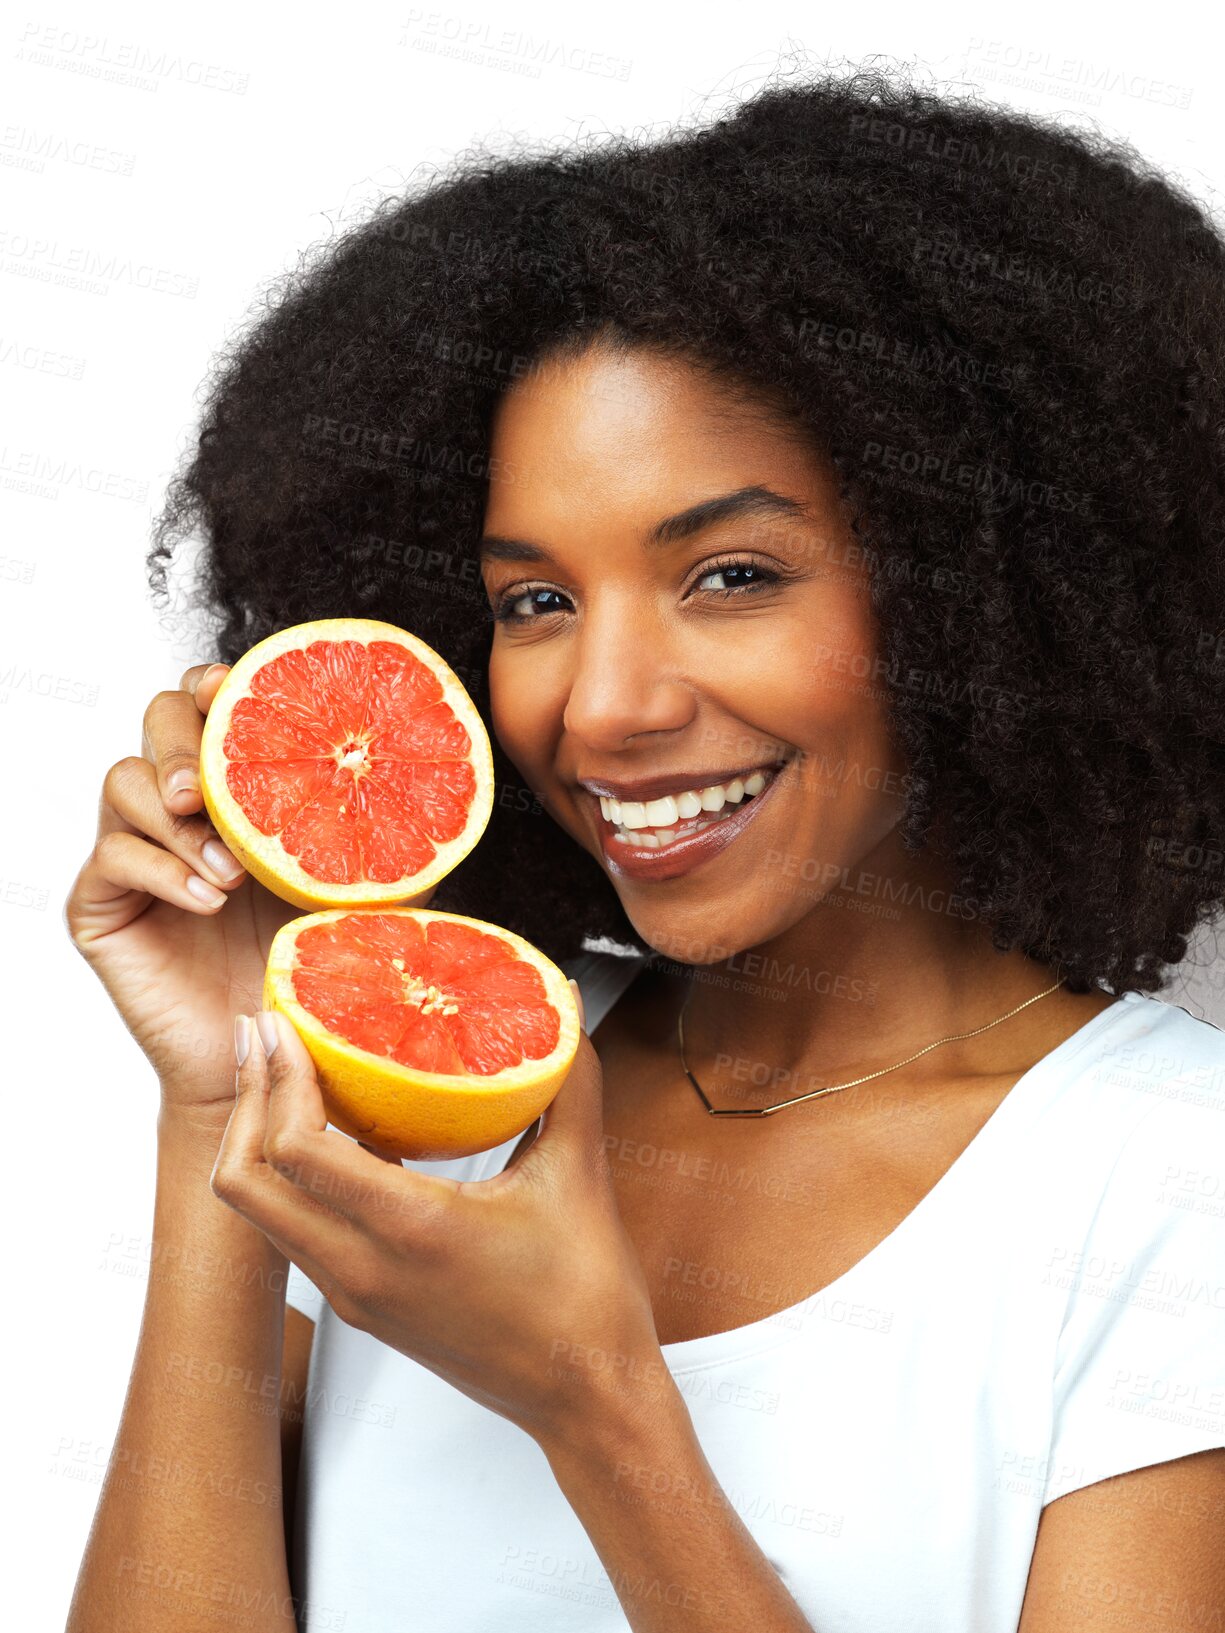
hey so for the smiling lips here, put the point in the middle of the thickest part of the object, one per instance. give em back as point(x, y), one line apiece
point(658, 822)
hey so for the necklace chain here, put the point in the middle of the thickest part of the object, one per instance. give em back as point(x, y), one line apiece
point(765, 1111)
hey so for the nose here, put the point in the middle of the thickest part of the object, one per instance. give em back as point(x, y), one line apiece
point(626, 681)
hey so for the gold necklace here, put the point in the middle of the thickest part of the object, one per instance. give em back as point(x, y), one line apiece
point(765, 1111)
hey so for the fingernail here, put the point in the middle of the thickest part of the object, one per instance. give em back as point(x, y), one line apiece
point(265, 1020)
point(242, 1037)
point(205, 676)
point(179, 781)
point(206, 892)
point(220, 859)
point(578, 998)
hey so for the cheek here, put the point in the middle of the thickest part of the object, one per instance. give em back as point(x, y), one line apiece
point(826, 694)
point(840, 677)
point(521, 710)
point(801, 681)
point(505, 715)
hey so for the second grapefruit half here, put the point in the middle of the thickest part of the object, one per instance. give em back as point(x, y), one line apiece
point(433, 1035)
point(344, 764)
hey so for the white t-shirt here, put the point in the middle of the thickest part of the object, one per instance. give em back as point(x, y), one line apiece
point(1052, 1312)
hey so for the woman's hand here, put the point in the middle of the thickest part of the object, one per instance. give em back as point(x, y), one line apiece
point(175, 964)
point(524, 1291)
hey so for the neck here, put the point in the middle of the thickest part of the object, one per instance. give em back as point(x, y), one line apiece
point(867, 977)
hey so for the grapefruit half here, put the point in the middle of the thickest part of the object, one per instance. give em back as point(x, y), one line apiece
point(344, 764)
point(433, 1035)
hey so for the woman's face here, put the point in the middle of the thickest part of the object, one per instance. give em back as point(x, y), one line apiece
point(652, 653)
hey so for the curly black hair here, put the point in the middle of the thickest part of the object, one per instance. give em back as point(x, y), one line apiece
point(1007, 337)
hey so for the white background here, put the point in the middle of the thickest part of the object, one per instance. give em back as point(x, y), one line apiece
point(208, 146)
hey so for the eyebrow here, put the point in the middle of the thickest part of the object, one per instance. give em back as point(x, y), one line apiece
point(751, 501)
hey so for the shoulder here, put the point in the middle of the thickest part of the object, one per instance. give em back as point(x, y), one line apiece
point(1128, 1159)
point(1162, 1049)
point(1145, 1169)
point(1151, 1076)
point(1159, 1104)
point(1168, 1067)
point(1142, 1081)
point(1140, 1366)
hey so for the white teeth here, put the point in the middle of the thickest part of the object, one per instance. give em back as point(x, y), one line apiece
point(650, 840)
point(661, 813)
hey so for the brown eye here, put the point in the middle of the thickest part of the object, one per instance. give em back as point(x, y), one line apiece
point(744, 576)
point(531, 595)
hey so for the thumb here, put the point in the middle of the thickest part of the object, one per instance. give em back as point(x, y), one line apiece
point(574, 1118)
point(575, 1115)
point(295, 1099)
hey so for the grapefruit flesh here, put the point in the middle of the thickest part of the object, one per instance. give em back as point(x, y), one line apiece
point(343, 763)
point(433, 1035)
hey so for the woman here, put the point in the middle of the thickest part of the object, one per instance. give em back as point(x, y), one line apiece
point(843, 486)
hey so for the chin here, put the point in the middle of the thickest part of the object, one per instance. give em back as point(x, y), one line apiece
point(700, 940)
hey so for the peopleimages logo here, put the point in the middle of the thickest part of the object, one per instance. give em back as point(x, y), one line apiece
point(986, 481)
point(1161, 1289)
point(122, 62)
point(60, 688)
point(80, 266)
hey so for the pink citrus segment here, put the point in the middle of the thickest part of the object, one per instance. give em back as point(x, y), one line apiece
point(345, 764)
point(445, 999)
point(433, 1035)
point(337, 701)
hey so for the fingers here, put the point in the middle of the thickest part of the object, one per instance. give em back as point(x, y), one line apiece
point(133, 812)
point(324, 1163)
point(153, 840)
point(318, 1197)
point(308, 1231)
point(202, 680)
point(369, 1188)
point(126, 868)
point(170, 736)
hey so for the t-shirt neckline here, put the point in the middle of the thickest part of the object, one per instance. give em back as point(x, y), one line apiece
point(785, 1326)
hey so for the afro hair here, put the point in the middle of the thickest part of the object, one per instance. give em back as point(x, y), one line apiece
point(1007, 337)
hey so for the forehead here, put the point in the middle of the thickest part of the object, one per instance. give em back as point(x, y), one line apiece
point(637, 436)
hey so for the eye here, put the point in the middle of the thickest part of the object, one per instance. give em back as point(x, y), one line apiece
point(745, 576)
point(527, 603)
point(531, 595)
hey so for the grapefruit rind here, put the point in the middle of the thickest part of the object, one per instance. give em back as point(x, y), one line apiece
point(413, 1113)
point(263, 855)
